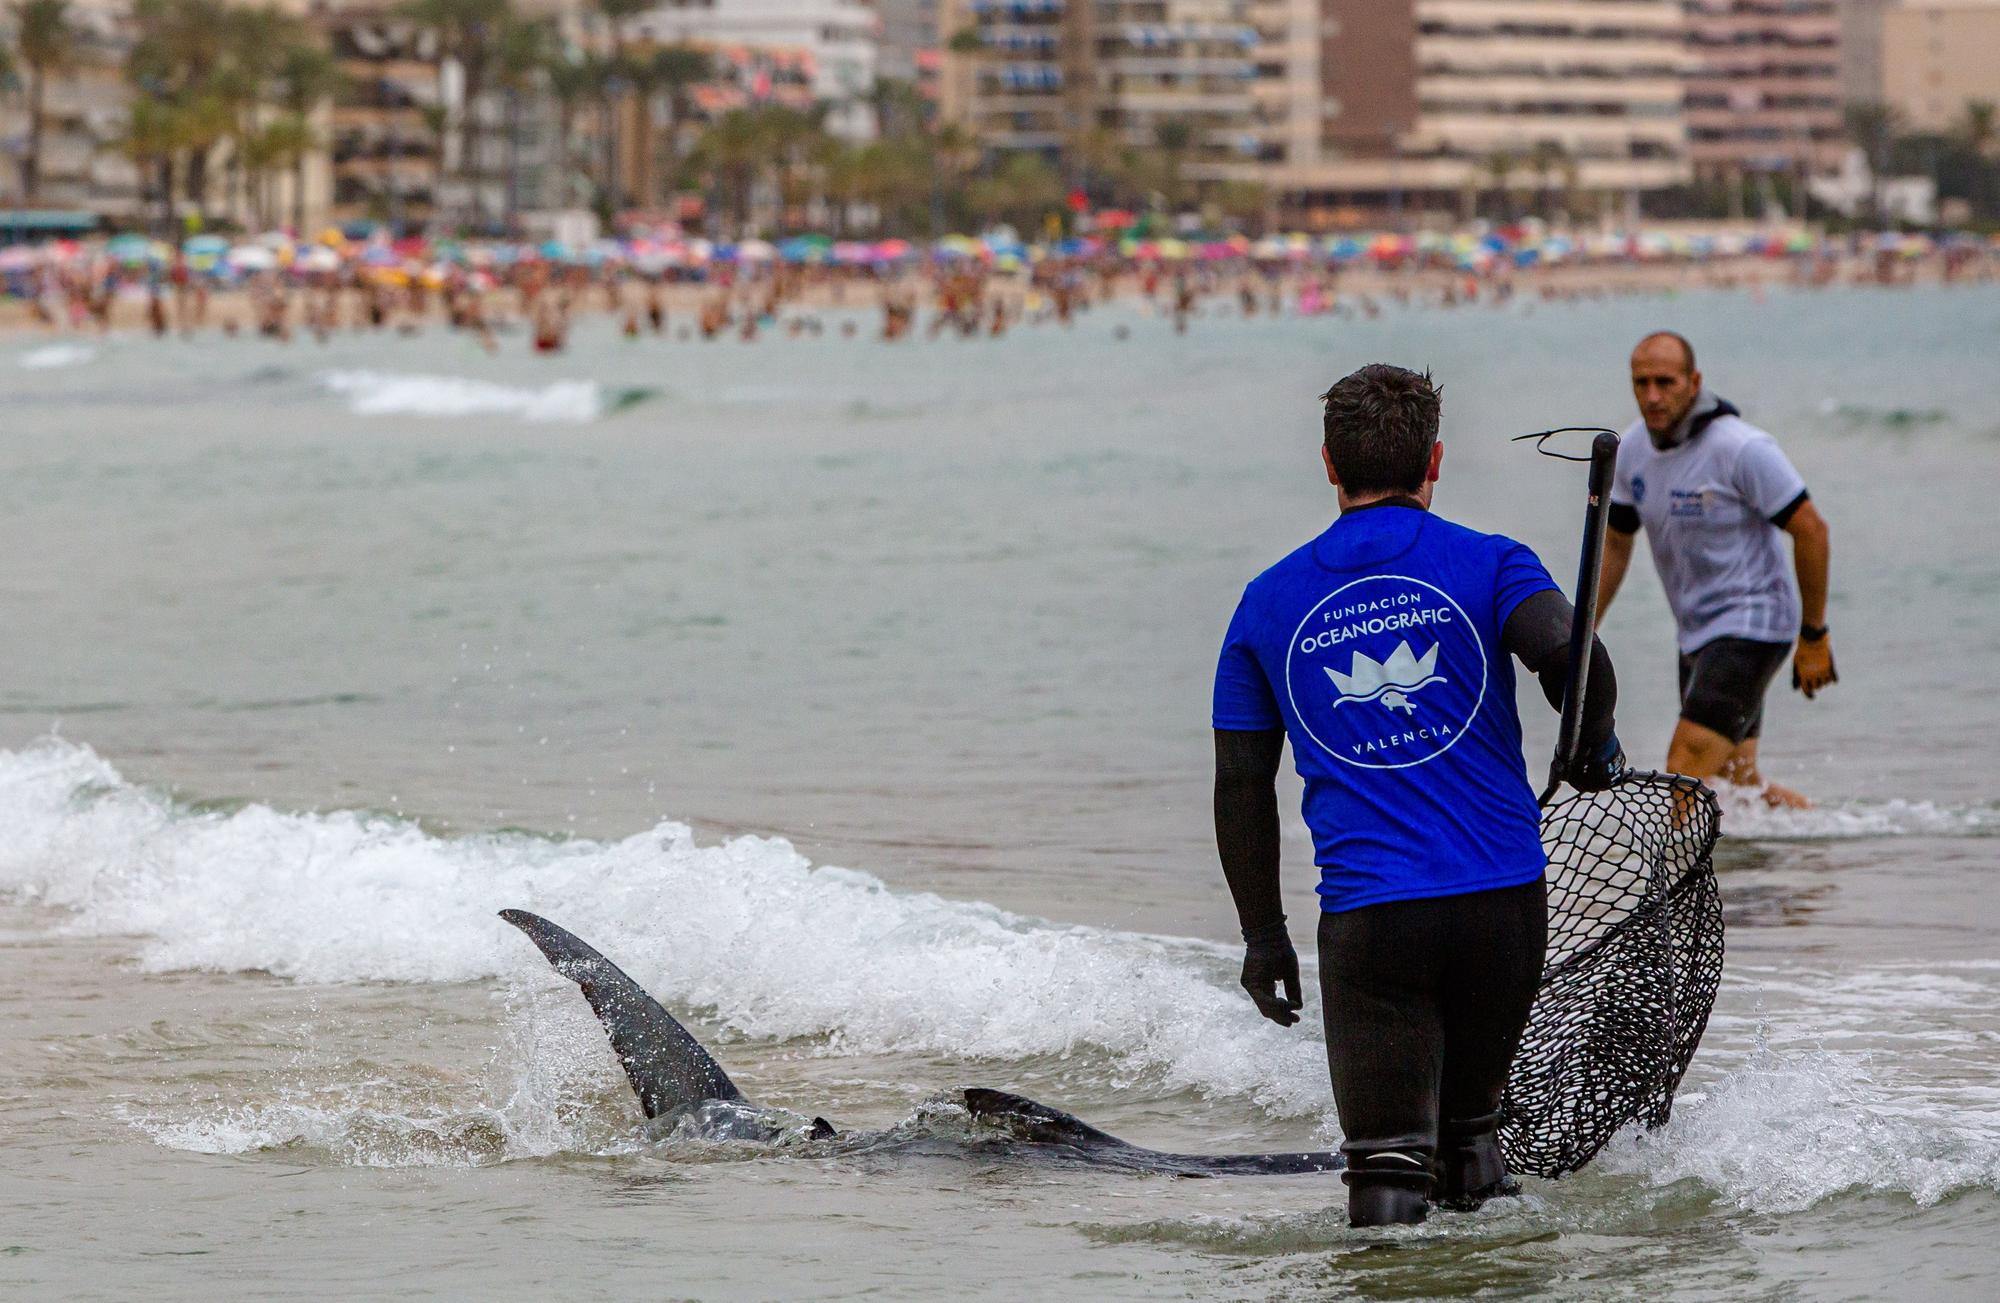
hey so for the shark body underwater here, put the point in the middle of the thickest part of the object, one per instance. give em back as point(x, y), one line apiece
point(679, 1081)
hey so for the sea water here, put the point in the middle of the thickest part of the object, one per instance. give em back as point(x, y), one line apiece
point(854, 698)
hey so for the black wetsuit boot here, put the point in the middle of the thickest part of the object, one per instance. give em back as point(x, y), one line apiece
point(1471, 1169)
point(1425, 1001)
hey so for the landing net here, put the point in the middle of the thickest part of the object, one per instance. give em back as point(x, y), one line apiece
point(1634, 958)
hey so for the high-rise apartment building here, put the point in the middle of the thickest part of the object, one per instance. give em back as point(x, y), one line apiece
point(840, 37)
point(1051, 75)
point(80, 166)
point(908, 46)
point(1763, 86)
point(1423, 103)
point(1937, 57)
point(1861, 49)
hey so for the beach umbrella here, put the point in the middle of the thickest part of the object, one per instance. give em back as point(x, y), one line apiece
point(755, 250)
point(806, 248)
point(317, 259)
point(252, 257)
point(891, 250)
point(19, 257)
point(131, 250)
point(853, 252)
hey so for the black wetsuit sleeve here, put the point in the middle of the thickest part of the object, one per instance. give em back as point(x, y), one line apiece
point(1246, 822)
point(1624, 518)
point(1537, 634)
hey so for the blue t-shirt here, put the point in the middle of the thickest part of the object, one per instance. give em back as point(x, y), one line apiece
point(1377, 647)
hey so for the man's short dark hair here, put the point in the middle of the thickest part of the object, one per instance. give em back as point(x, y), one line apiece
point(1381, 423)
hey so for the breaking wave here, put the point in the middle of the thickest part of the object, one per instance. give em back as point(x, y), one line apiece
point(1846, 1082)
point(383, 393)
point(50, 356)
point(778, 947)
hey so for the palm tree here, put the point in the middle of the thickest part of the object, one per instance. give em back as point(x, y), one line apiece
point(277, 145)
point(617, 81)
point(1543, 160)
point(308, 76)
point(571, 82)
point(1175, 137)
point(1874, 128)
point(437, 121)
point(954, 152)
point(676, 70)
point(521, 54)
point(48, 48)
point(770, 143)
point(1023, 191)
point(1245, 203)
point(153, 140)
point(467, 34)
point(184, 59)
point(1978, 128)
point(1101, 157)
point(1500, 168)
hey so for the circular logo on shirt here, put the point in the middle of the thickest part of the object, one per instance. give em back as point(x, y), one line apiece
point(1386, 672)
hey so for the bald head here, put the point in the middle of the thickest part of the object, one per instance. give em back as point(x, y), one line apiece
point(1663, 342)
point(1664, 379)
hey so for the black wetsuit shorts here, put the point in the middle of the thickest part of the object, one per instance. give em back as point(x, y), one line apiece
point(1425, 1002)
point(1723, 683)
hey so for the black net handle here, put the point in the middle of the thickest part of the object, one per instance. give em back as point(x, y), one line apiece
point(1603, 459)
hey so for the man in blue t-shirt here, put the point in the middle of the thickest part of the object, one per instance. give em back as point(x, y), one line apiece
point(1383, 649)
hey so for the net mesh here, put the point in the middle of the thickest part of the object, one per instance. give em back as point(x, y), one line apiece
point(1634, 958)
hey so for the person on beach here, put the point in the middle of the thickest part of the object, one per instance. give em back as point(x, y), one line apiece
point(1383, 650)
point(1714, 493)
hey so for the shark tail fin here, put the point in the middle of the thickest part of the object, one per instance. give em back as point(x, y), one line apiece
point(666, 1065)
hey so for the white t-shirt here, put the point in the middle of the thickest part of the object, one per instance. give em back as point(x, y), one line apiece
point(1707, 507)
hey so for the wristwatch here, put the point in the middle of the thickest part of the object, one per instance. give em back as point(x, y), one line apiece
point(1812, 632)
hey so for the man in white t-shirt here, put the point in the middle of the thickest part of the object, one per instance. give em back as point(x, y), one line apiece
point(1713, 493)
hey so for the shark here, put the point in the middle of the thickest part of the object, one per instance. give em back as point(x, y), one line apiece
point(679, 1084)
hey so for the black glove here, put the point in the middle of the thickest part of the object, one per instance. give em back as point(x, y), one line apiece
point(1596, 772)
point(1268, 959)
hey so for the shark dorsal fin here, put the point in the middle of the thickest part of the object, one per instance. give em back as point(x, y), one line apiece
point(666, 1065)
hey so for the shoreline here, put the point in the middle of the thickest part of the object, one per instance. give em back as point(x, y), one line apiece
point(1301, 291)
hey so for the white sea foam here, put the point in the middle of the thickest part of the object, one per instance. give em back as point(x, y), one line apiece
point(1790, 1129)
point(779, 948)
point(54, 355)
point(384, 393)
point(1744, 814)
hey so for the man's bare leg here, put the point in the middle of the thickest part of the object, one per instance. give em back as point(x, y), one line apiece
point(1701, 752)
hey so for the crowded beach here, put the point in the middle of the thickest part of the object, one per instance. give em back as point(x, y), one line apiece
point(662, 284)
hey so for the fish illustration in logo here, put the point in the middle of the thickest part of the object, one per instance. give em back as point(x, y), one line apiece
point(1390, 682)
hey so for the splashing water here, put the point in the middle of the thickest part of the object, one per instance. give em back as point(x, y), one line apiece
point(50, 356)
point(780, 950)
point(382, 393)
